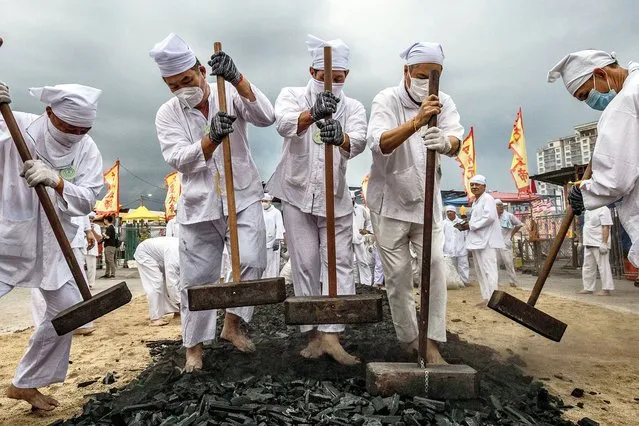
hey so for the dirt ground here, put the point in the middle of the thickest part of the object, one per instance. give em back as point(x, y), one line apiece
point(598, 353)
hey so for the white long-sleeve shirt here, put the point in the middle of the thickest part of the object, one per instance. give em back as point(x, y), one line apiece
point(485, 229)
point(30, 255)
point(508, 222)
point(172, 228)
point(180, 130)
point(361, 220)
point(299, 176)
point(615, 160)
point(454, 239)
point(274, 226)
point(163, 252)
point(396, 180)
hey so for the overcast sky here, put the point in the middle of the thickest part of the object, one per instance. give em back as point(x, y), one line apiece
point(498, 54)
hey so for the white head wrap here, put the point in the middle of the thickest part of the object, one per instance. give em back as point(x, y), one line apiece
point(423, 52)
point(267, 197)
point(451, 209)
point(478, 179)
point(173, 55)
point(498, 201)
point(92, 215)
point(74, 104)
point(341, 52)
point(577, 67)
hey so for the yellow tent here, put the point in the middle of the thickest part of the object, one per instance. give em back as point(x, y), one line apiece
point(142, 213)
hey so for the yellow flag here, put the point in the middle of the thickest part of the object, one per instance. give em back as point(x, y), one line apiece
point(173, 191)
point(467, 161)
point(110, 204)
point(519, 165)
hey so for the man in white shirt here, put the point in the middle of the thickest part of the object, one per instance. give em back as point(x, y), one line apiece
point(361, 227)
point(190, 129)
point(301, 118)
point(158, 263)
point(596, 243)
point(68, 163)
point(484, 238)
point(274, 236)
point(510, 225)
point(455, 244)
point(398, 139)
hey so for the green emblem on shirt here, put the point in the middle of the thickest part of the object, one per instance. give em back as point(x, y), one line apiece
point(317, 138)
point(68, 173)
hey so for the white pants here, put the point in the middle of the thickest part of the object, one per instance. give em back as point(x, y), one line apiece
point(362, 263)
point(272, 263)
point(594, 260)
point(47, 357)
point(306, 239)
point(286, 273)
point(462, 268)
point(379, 269)
point(201, 246)
point(485, 261)
point(92, 262)
point(393, 237)
point(505, 257)
point(161, 294)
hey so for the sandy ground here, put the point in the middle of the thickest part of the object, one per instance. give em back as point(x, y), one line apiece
point(598, 353)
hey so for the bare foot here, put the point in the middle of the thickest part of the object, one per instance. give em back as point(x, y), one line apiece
point(432, 353)
point(159, 322)
point(483, 304)
point(232, 333)
point(313, 349)
point(411, 348)
point(585, 292)
point(33, 396)
point(83, 331)
point(194, 358)
point(331, 346)
point(603, 293)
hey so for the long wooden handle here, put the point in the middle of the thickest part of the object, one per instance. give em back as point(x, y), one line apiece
point(228, 174)
point(47, 205)
point(429, 197)
point(556, 246)
point(328, 185)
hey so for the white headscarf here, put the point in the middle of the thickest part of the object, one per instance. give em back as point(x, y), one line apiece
point(173, 55)
point(478, 179)
point(341, 52)
point(577, 67)
point(451, 209)
point(498, 201)
point(423, 52)
point(267, 197)
point(74, 104)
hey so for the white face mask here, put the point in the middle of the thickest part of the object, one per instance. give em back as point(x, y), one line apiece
point(189, 96)
point(318, 86)
point(64, 139)
point(418, 89)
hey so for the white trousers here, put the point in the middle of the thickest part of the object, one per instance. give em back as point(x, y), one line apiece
point(485, 261)
point(461, 266)
point(362, 263)
point(47, 357)
point(286, 273)
point(162, 296)
point(393, 237)
point(378, 277)
point(505, 257)
point(272, 263)
point(201, 246)
point(306, 239)
point(92, 266)
point(593, 261)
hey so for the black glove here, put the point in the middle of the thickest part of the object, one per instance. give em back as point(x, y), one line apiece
point(276, 246)
point(222, 64)
point(325, 104)
point(331, 131)
point(221, 125)
point(576, 200)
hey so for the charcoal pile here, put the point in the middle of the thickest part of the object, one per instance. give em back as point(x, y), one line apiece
point(276, 386)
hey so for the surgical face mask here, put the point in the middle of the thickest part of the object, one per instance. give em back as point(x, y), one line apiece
point(418, 89)
point(65, 139)
point(599, 101)
point(189, 96)
point(318, 86)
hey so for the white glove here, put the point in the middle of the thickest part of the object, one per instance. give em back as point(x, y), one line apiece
point(435, 139)
point(36, 171)
point(603, 250)
point(4, 94)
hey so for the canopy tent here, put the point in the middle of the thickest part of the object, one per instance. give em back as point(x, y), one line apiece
point(142, 213)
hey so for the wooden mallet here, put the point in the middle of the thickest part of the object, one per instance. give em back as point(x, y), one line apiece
point(237, 293)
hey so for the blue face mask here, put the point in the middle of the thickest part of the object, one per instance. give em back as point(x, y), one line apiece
point(599, 101)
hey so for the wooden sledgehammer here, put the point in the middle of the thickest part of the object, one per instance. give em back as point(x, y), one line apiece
point(437, 381)
point(525, 313)
point(92, 307)
point(237, 293)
